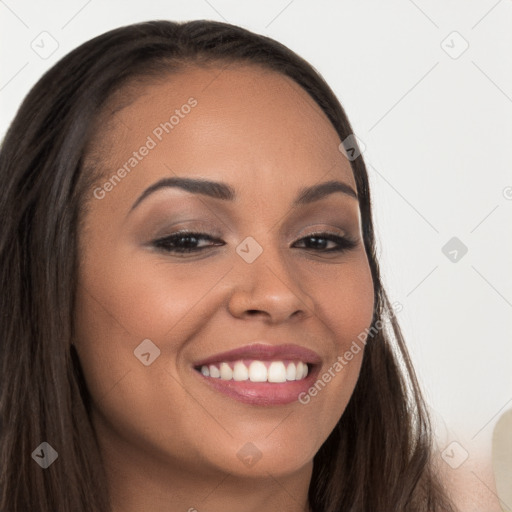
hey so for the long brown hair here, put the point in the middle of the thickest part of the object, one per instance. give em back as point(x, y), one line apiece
point(379, 455)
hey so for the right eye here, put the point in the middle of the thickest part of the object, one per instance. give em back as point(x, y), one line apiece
point(185, 242)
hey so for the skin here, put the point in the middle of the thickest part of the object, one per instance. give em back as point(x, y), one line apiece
point(169, 441)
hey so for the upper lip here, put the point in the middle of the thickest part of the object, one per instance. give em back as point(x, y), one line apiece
point(264, 352)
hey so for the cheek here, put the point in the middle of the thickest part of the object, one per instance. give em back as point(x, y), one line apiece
point(118, 306)
point(144, 297)
point(122, 302)
point(344, 298)
point(344, 302)
point(126, 297)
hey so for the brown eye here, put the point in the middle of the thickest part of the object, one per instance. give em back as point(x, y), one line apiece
point(185, 242)
point(319, 242)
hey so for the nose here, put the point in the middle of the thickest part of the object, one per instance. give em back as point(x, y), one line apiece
point(268, 289)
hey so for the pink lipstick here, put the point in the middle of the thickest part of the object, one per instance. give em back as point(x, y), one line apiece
point(260, 373)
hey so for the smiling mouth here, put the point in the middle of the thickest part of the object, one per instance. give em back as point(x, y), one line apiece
point(261, 373)
point(260, 383)
point(243, 370)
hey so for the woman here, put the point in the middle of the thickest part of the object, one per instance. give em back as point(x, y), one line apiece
point(193, 317)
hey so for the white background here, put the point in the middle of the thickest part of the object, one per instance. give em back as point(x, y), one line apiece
point(438, 137)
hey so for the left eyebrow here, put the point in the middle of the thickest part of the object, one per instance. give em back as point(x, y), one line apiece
point(310, 194)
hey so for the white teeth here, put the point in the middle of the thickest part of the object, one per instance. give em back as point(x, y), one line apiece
point(226, 373)
point(276, 372)
point(300, 369)
point(214, 371)
point(240, 371)
point(258, 371)
point(291, 371)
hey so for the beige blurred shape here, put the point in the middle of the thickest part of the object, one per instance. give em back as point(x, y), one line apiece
point(502, 459)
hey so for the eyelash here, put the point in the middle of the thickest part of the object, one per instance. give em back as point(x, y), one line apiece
point(344, 243)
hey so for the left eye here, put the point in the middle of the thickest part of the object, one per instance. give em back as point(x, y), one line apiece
point(318, 241)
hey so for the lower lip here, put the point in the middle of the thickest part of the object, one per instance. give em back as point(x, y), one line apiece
point(262, 393)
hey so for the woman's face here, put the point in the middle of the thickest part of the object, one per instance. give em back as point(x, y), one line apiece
point(154, 324)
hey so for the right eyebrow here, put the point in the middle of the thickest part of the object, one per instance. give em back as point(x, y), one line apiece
point(214, 189)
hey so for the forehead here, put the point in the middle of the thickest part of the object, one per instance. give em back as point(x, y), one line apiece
point(241, 124)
